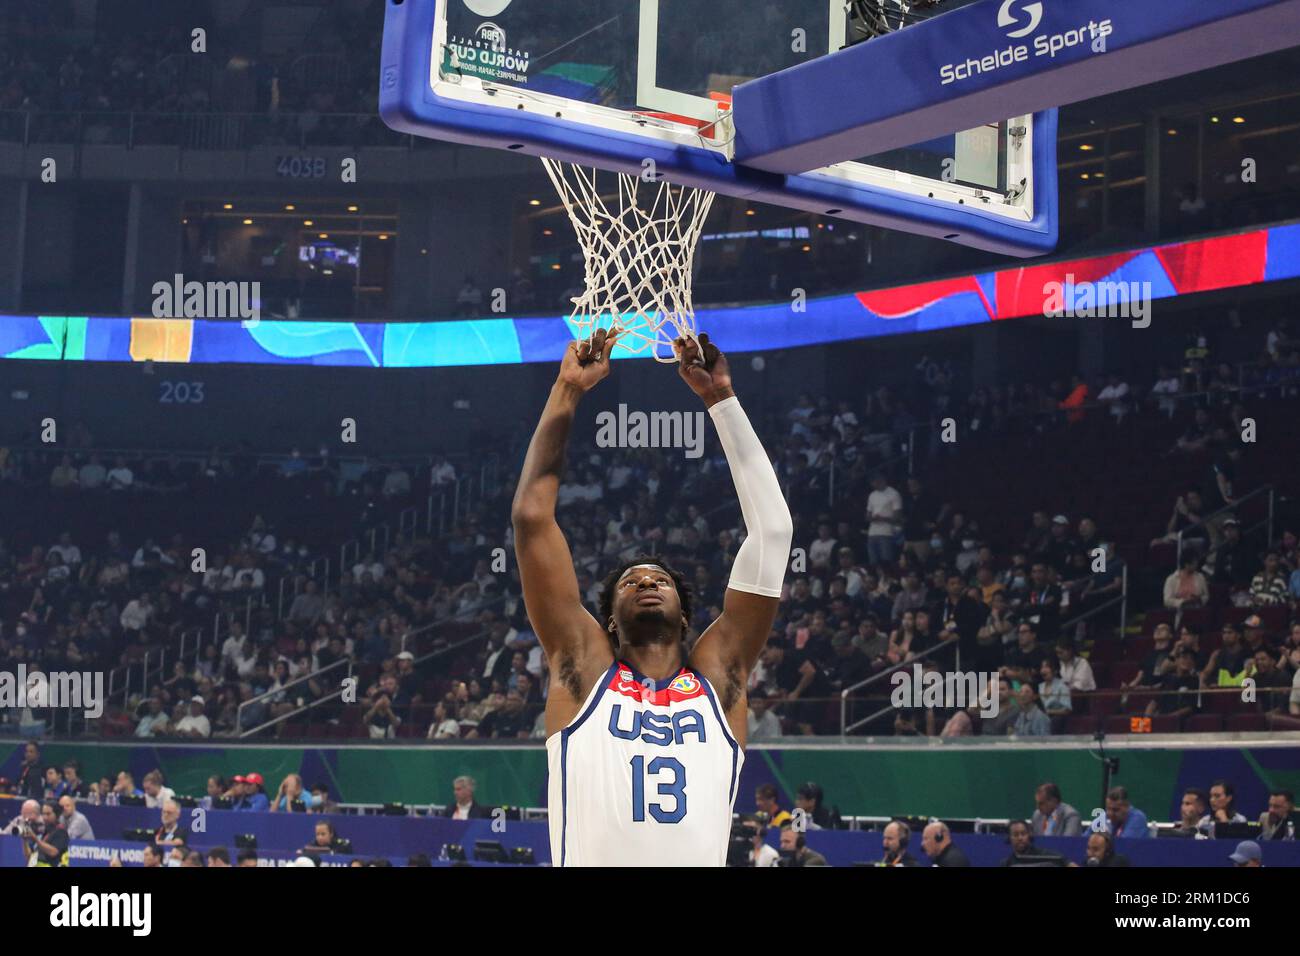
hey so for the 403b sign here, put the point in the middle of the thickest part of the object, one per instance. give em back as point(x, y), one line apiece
point(300, 167)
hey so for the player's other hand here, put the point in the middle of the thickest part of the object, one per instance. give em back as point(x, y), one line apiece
point(586, 364)
point(704, 368)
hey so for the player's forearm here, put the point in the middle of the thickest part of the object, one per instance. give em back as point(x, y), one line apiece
point(539, 482)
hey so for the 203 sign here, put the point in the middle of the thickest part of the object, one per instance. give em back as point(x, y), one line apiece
point(180, 393)
point(300, 167)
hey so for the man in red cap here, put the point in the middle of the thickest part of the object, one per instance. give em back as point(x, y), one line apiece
point(255, 798)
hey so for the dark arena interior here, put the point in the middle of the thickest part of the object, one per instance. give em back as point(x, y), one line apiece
point(291, 452)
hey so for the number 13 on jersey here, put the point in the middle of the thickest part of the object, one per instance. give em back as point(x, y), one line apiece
point(674, 787)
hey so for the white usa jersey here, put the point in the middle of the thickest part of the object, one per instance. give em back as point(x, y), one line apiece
point(644, 776)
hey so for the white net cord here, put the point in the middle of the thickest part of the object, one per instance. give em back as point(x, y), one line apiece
point(639, 250)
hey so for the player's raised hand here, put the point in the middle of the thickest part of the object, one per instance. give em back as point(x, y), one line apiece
point(586, 364)
point(704, 368)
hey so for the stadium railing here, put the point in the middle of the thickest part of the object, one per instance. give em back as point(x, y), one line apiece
point(1267, 524)
point(271, 695)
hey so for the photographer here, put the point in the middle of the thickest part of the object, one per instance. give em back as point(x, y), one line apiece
point(29, 815)
point(760, 853)
point(49, 843)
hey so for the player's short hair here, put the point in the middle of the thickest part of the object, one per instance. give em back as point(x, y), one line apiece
point(219, 853)
point(684, 592)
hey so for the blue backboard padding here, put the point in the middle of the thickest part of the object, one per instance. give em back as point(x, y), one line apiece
point(889, 92)
point(408, 104)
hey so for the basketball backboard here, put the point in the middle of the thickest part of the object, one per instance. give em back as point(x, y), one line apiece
point(644, 86)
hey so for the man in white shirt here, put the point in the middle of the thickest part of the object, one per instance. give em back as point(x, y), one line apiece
point(820, 551)
point(619, 475)
point(443, 472)
point(92, 474)
point(762, 855)
point(1167, 385)
point(763, 724)
point(845, 418)
point(465, 807)
point(1115, 397)
point(154, 722)
point(136, 614)
point(155, 794)
point(591, 489)
point(375, 568)
point(1075, 670)
point(885, 517)
point(120, 477)
point(195, 723)
point(66, 550)
point(233, 645)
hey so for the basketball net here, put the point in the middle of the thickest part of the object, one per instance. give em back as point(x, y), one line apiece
point(639, 248)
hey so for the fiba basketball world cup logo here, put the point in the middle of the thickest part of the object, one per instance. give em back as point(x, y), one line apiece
point(484, 53)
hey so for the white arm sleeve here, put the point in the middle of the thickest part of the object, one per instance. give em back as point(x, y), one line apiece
point(760, 563)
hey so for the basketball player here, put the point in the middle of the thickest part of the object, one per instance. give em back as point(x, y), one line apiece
point(644, 741)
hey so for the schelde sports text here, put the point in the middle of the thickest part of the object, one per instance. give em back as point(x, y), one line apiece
point(1046, 45)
